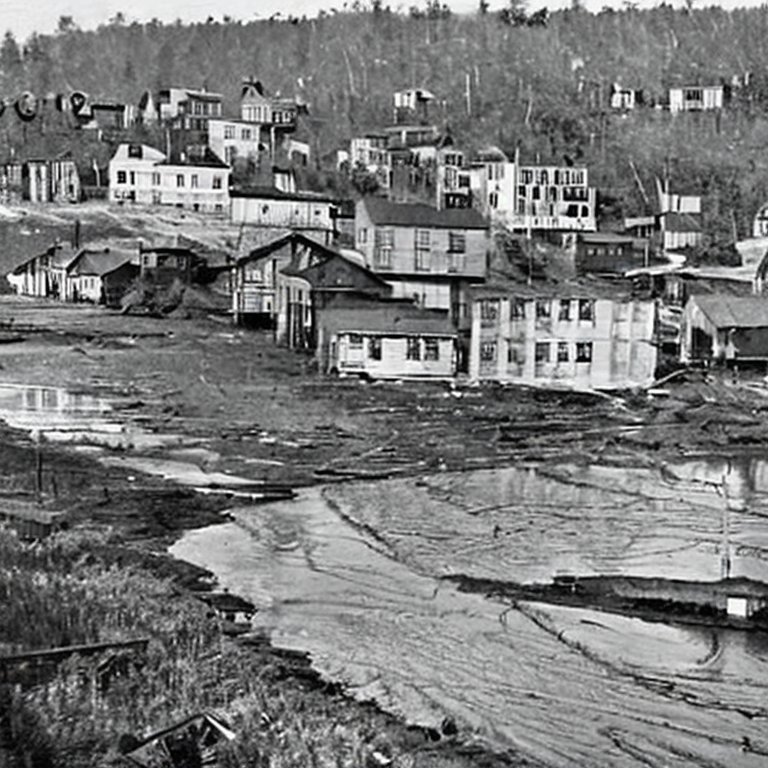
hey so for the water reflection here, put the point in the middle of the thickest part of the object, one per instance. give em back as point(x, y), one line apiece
point(566, 686)
point(60, 415)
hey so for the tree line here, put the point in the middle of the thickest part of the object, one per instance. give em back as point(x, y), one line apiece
point(534, 81)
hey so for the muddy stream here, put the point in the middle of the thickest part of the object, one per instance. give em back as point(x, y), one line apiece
point(351, 574)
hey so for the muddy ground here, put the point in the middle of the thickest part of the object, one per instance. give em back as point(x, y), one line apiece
point(240, 405)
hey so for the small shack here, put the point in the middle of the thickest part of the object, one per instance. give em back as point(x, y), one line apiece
point(101, 277)
point(725, 329)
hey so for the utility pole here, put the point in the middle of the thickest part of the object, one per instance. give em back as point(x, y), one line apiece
point(725, 554)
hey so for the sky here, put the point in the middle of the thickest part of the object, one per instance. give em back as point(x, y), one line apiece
point(23, 17)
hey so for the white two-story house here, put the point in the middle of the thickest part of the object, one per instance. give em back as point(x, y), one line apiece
point(197, 180)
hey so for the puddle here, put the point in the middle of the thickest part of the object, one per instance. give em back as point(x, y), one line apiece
point(72, 417)
point(559, 685)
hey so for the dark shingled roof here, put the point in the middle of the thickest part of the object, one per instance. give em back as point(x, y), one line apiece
point(99, 262)
point(411, 321)
point(734, 311)
point(419, 215)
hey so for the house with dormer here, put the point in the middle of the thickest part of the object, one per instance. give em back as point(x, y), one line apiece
point(194, 179)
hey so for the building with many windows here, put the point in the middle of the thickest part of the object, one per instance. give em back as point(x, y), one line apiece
point(196, 180)
point(566, 336)
point(188, 109)
point(534, 198)
point(424, 253)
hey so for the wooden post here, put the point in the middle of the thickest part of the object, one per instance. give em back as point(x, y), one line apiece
point(38, 436)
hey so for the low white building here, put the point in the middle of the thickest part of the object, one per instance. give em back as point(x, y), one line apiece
point(272, 208)
point(141, 174)
point(696, 98)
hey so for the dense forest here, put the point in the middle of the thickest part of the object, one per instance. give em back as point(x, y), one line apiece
point(516, 79)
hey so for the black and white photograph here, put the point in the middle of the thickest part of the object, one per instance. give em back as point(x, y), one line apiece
point(383, 384)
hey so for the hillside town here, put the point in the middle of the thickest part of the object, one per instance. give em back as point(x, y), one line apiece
point(455, 265)
point(422, 452)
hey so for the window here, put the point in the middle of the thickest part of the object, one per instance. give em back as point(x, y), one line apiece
point(543, 309)
point(489, 311)
point(412, 349)
point(515, 354)
point(562, 351)
point(493, 200)
point(193, 181)
point(245, 134)
point(217, 182)
point(122, 177)
point(457, 242)
point(362, 236)
point(218, 207)
point(542, 352)
point(431, 349)
point(422, 246)
point(488, 351)
point(517, 310)
point(383, 241)
point(374, 348)
point(586, 309)
point(584, 352)
point(355, 341)
point(155, 179)
point(565, 310)
point(179, 179)
point(135, 150)
point(132, 176)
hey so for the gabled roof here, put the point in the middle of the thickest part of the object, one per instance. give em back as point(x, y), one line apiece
point(61, 255)
point(275, 245)
point(419, 215)
point(734, 311)
point(316, 273)
point(98, 263)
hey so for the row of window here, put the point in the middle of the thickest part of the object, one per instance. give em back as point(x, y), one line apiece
point(553, 194)
point(545, 309)
point(246, 134)
point(416, 348)
point(211, 108)
point(384, 239)
point(605, 250)
point(544, 352)
point(129, 177)
point(561, 176)
point(533, 208)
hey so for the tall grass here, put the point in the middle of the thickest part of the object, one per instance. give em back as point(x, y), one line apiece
point(58, 592)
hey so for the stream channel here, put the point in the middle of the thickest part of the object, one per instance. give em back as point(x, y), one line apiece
point(352, 575)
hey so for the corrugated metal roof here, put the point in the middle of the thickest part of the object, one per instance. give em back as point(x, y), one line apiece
point(419, 215)
point(734, 311)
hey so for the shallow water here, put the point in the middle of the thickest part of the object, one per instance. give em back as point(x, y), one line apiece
point(566, 686)
point(62, 416)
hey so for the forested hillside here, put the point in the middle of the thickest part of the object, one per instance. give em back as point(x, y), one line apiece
point(538, 82)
